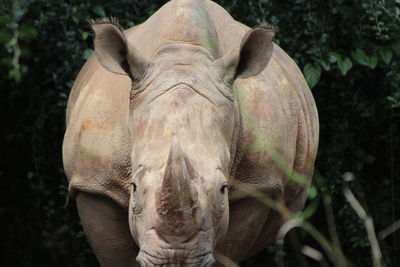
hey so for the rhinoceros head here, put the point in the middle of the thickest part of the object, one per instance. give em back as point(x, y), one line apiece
point(183, 122)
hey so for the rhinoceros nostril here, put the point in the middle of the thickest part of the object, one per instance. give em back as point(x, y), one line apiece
point(140, 262)
point(208, 261)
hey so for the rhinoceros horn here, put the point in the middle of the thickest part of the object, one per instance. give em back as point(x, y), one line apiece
point(177, 197)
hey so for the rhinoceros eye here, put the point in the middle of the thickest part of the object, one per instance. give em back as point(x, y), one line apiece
point(224, 187)
point(138, 174)
point(134, 186)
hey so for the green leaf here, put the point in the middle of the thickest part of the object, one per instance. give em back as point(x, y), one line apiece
point(386, 54)
point(4, 19)
point(85, 35)
point(334, 56)
point(360, 57)
point(6, 61)
point(345, 65)
point(326, 65)
point(75, 19)
point(312, 192)
point(99, 11)
point(312, 73)
point(373, 61)
point(25, 51)
point(15, 74)
point(27, 31)
point(5, 37)
point(87, 53)
point(396, 47)
point(391, 98)
point(363, 59)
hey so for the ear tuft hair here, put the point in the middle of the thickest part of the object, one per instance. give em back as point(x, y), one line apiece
point(110, 20)
point(268, 27)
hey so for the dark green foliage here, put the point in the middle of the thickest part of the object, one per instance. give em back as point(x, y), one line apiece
point(348, 50)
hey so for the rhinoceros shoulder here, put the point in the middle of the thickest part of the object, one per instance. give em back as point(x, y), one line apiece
point(96, 142)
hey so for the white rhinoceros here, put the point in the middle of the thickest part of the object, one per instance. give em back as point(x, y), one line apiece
point(154, 156)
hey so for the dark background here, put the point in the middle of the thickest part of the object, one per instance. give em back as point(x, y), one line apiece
point(348, 51)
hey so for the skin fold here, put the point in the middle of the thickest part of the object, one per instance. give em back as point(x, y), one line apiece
point(166, 121)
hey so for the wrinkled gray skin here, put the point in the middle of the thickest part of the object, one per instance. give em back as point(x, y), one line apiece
point(159, 138)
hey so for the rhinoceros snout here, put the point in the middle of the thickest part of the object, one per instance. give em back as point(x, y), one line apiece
point(147, 260)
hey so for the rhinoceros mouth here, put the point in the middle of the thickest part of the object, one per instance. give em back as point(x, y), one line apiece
point(174, 258)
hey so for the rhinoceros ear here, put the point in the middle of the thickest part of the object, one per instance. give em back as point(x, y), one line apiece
point(251, 57)
point(114, 52)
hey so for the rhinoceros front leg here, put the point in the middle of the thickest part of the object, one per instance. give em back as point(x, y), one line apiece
point(106, 227)
point(248, 220)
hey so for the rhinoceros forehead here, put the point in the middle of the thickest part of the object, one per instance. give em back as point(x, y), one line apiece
point(194, 71)
point(181, 105)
